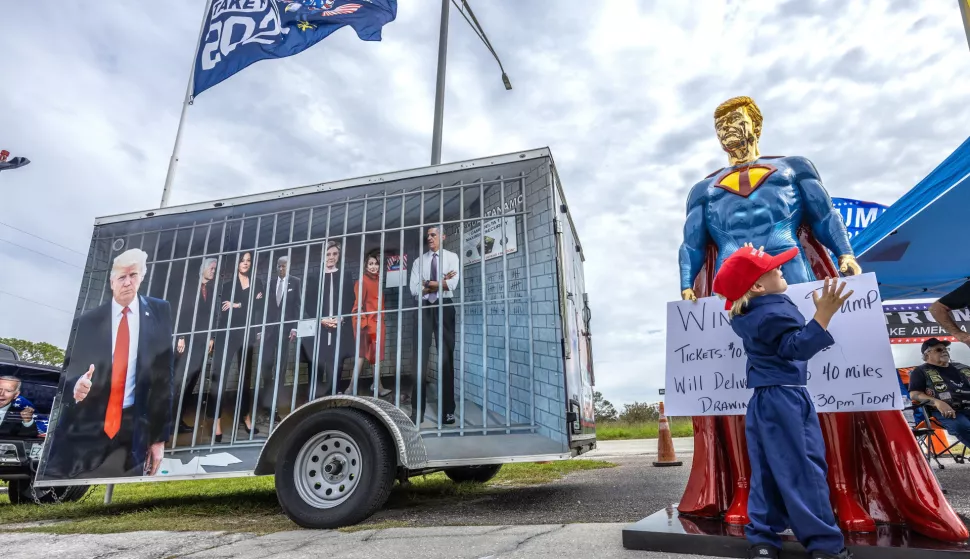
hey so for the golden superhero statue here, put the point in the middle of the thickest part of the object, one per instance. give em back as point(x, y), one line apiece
point(876, 471)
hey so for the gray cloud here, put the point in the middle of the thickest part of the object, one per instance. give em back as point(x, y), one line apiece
point(628, 116)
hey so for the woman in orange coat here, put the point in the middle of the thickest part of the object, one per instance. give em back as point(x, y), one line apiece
point(368, 290)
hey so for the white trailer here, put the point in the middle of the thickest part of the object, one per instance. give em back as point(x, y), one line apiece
point(476, 322)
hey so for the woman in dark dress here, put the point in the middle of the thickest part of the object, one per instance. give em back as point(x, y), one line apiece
point(236, 301)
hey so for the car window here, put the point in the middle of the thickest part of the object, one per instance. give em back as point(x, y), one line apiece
point(7, 354)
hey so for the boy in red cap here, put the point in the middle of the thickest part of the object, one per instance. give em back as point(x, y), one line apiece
point(785, 446)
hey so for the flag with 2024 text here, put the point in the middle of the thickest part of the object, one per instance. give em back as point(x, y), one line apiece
point(238, 33)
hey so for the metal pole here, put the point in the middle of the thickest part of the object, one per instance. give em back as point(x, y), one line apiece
point(965, 15)
point(439, 97)
point(167, 190)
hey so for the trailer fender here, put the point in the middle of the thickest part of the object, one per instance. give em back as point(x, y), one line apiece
point(411, 453)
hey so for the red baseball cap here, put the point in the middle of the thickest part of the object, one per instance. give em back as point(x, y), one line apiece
point(742, 269)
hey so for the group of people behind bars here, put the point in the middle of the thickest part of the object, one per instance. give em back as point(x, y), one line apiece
point(212, 328)
point(136, 361)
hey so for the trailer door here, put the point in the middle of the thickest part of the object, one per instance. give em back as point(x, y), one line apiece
point(576, 336)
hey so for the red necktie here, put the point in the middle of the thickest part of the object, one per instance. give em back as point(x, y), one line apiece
point(119, 374)
point(203, 292)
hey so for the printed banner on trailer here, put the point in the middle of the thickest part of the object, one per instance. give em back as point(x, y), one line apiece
point(706, 360)
point(238, 33)
point(491, 243)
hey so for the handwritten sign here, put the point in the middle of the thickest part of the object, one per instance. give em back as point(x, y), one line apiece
point(706, 362)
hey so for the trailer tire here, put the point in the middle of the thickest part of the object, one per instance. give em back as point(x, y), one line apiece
point(473, 474)
point(23, 492)
point(335, 469)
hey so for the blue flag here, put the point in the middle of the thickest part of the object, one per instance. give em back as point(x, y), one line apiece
point(238, 33)
point(857, 214)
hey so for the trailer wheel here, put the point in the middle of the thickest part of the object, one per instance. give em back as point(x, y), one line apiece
point(474, 474)
point(335, 469)
point(23, 492)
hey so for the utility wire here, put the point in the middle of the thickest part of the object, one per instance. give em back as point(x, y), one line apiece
point(32, 301)
point(470, 24)
point(41, 254)
point(481, 33)
point(42, 238)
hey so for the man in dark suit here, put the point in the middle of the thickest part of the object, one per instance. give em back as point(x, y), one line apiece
point(115, 412)
point(16, 420)
point(283, 311)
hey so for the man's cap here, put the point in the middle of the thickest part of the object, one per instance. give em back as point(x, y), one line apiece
point(742, 269)
point(931, 343)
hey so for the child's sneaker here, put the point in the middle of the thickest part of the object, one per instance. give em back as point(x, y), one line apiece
point(763, 552)
point(844, 554)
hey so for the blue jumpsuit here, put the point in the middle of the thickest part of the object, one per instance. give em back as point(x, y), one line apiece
point(785, 446)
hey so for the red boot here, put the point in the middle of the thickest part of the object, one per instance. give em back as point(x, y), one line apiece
point(841, 452)
point(737, 452)
point(706, 493)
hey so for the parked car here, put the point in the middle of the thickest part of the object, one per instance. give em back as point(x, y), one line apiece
point(27, 390)
point(8, 353)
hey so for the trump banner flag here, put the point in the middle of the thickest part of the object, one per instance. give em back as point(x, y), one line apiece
point(857, 214)
point(237, 33)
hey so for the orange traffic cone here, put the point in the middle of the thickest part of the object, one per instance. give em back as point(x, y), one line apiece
point(665, 444)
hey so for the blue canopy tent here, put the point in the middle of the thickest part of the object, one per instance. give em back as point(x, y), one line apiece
point(919, 247)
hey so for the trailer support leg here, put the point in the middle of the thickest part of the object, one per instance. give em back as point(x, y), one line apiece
point(108, 492)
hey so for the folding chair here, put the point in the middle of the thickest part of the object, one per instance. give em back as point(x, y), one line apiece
point(927, 436)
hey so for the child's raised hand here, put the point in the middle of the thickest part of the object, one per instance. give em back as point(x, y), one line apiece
point(830, 301)
point(749, 245)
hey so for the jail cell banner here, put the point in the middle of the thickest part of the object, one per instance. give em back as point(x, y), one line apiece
point(913, 324)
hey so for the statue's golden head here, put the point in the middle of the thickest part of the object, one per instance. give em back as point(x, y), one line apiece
point(737, 123)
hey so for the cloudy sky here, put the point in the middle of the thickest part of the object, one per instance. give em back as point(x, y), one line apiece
point(875, 93)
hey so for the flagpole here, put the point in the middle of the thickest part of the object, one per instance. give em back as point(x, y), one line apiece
point(173, 162)
point(439, 97)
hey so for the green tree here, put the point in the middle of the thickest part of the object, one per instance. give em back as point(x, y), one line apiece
point(640, 412)
point(42, 353)
point(604, 409)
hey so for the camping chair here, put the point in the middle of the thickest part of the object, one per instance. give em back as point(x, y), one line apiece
point(930, 442)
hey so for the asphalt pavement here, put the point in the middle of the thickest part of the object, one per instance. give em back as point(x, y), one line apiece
point(599, 541)
point(581, 515)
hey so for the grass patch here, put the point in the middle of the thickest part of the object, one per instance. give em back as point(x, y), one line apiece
point(618, 430)
point(243, 504)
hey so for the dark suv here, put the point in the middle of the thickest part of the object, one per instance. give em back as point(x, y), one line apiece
point(27, 392)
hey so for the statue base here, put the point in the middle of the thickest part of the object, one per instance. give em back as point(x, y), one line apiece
point(667, 531)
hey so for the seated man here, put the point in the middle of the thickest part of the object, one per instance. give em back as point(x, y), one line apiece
point(946, 385)
point(959, 298)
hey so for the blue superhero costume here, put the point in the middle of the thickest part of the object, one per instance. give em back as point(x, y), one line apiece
point(785, 446)
point(764, 203)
